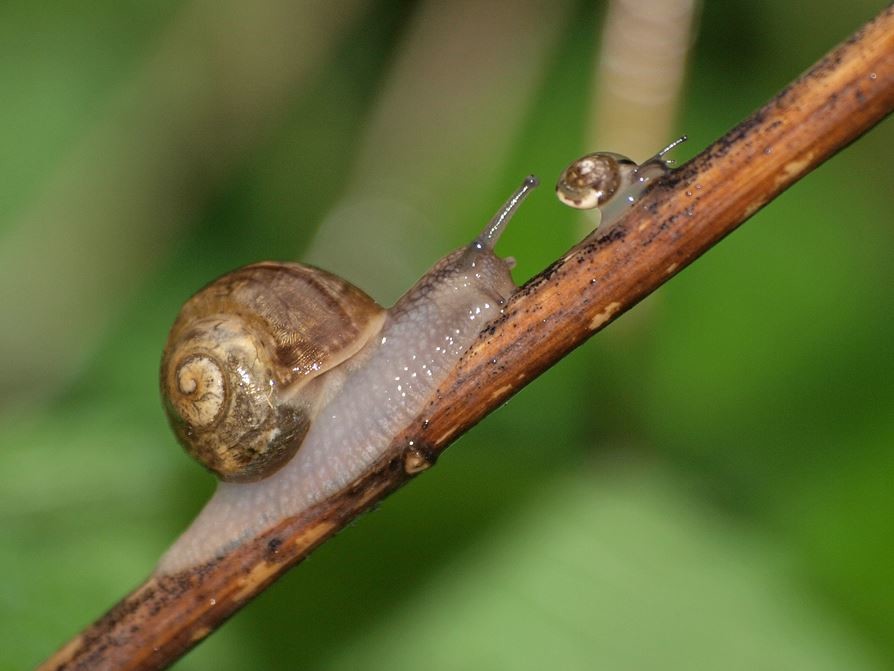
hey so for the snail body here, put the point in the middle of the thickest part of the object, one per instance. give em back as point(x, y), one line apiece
point(610, 182)
point(319, 420)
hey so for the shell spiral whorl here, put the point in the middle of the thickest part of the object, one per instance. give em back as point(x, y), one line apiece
point(201, 388)
point(223, 400)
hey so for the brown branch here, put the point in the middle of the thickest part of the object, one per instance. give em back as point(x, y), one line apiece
point(841, 97)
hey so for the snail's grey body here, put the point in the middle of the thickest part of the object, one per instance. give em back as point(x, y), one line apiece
point(378, 392)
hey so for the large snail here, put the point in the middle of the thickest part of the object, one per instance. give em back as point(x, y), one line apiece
point(610, 182)
point(287, 381)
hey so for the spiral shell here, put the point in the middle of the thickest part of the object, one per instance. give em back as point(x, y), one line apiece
point(241, 371)
point(594, 179)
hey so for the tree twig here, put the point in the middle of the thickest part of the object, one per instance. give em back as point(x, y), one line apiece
point(835, 102)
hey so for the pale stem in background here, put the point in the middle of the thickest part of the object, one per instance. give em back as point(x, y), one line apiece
point(639, 76)
point(220, 76)
point(450, 109)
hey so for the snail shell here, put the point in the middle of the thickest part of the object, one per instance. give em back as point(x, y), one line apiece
point(594, 179)
point(239, 367)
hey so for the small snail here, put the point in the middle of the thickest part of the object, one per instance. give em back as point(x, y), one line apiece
point(287, 381)
point(610, 181)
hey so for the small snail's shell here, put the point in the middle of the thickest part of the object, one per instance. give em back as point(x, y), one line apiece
point(594, 179)
point(239, 369)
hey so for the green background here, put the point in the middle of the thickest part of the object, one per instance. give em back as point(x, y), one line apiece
point(707, 484)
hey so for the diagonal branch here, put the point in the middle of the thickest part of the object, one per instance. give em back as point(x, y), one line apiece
point(835, 102)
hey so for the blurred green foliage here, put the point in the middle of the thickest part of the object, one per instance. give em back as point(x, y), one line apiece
point(705, 485)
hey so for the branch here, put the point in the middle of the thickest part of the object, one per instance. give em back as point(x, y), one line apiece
point(835, 102)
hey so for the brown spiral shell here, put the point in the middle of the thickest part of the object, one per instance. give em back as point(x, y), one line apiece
point(239, 368)
point(594, 179)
